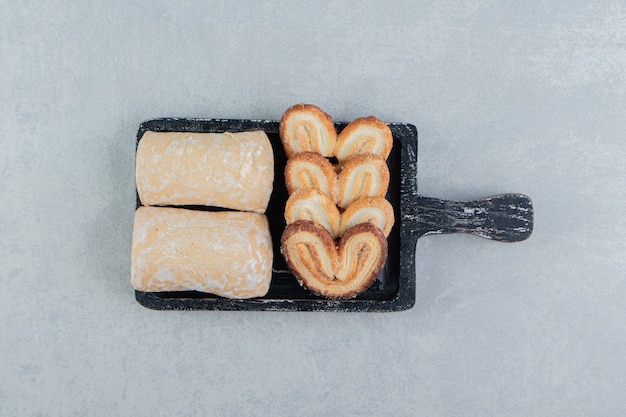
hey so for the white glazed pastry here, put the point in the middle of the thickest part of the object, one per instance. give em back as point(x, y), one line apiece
point(230, 170)
point(225, 253)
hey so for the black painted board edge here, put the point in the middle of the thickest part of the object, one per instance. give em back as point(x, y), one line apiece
point(403, 299)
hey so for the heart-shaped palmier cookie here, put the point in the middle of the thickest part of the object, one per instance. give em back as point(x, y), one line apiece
point(337, 271)
point(365, 175)
point(306, 127)
point(364, 135)
point(314, 205)
point(361, 176)
point(311, 204)
point(374, 210)
point(311, 170)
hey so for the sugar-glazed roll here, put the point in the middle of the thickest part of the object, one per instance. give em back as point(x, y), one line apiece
point(313, 205)
point(230, 170)
point(311, 170)
point(362, 176)
point(305, 127)
point(364, 135)
point(225, 253)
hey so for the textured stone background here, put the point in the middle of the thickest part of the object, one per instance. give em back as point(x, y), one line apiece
point(507, 97)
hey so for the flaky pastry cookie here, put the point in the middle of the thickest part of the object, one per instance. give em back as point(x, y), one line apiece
point(313, 205)
point(305, 127)
point(334, 271)
point(311, 170)
point(364, 135)
point(374, 210)
point(362, 176)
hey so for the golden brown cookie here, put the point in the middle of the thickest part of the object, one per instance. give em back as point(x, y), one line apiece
point(362, 176)
point(313, 205)
point(337, 272)
point(311, 170)
point(374, 210)
point(364, 135)
point(305, 127)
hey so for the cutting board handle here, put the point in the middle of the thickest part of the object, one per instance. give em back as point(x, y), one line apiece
point(504, 217)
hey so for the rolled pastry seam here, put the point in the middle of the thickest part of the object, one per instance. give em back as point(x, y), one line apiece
point(364, 135)
point(307, 128)
point(226, 253)
point(229, 170)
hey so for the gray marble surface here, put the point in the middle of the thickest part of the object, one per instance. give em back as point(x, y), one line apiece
point(508, 97)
